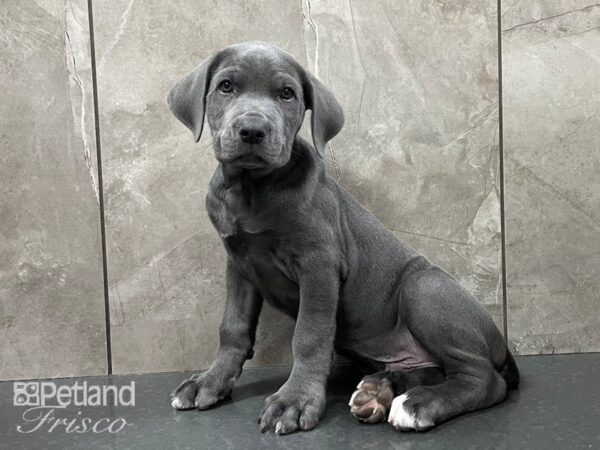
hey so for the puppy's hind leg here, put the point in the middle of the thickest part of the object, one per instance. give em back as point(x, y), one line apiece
point(372, 399)
point(447, 321)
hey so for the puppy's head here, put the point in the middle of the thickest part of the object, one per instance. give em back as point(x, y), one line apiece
point(254, 96)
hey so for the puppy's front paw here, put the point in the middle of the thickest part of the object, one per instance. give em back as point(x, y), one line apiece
point(290, 410)
point(198, 392)
point(372, 399)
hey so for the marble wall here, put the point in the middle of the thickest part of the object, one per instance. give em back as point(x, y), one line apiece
point(551, 86)
point(51, 285)
point(420, 144)
point(419, 85)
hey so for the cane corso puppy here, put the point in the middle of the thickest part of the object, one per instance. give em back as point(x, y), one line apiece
point(296, 239)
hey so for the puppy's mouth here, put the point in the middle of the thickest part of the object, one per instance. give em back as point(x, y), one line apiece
point(248, 156)
point(249, 161)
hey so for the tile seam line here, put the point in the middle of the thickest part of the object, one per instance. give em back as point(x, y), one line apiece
point(501, 173)
point(109, 368)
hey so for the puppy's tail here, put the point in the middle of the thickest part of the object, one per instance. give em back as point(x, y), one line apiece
point(510, 371)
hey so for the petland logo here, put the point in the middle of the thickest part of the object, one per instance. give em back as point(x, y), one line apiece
point(43, 398)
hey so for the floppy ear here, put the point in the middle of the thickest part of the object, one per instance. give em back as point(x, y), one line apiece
point(187, 97)
point(327, 116)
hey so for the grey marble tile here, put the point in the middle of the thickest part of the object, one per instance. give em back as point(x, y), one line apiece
point(51, 287)
point(419, 87)
point(418, 83)
point(551, 62)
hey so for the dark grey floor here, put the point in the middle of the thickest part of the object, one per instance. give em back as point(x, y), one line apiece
point(557, 407)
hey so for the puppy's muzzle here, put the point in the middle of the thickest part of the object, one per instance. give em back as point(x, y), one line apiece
point(252, 128)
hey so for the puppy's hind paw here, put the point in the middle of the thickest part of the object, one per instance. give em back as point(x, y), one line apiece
point(406, 416)
point(372, 399)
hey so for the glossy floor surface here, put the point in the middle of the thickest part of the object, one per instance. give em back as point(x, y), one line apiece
point(557, 407)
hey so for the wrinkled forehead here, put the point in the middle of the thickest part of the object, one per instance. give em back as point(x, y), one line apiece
point(258, 64)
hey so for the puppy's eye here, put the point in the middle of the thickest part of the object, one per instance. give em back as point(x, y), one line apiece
point(287, 94)
point(226, 86)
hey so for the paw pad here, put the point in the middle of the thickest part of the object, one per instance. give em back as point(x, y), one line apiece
point(372, 399)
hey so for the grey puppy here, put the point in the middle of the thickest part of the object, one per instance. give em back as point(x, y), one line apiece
point(296, 239)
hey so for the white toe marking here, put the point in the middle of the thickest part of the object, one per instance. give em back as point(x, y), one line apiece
point(278, 427)
point(176, 403)
point(399, 417)
point(393, 409)
point(354, 394)
point(359, 384)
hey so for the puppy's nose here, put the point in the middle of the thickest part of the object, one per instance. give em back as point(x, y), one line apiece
point(253, 130)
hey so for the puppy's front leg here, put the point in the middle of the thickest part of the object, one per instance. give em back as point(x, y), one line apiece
point(236, 333)
point(300, 402)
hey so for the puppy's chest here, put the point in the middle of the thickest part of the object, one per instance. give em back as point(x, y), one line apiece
point(233, 216)
point(250, 237)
